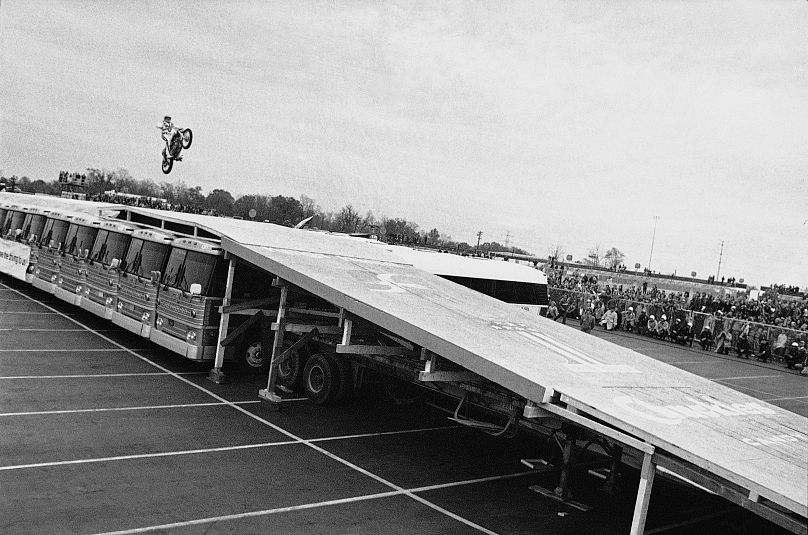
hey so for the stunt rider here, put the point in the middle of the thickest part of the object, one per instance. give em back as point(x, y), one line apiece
point(167, 132)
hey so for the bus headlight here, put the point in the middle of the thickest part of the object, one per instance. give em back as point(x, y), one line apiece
point(53, 278)
point(37, 271)
point(159, 322)
point(78, 288)
point(146, 316)
point(191, 335)
point(120, 305)
point(87, 290)
point(109, 301)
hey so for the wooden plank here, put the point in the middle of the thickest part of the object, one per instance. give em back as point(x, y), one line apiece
point(241, 329)
point(448, 376)
point(266, 303)
point(371, 350)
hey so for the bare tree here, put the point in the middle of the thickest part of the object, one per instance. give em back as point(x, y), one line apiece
point(595, 256)
point(614, 257)
point(557, 251)
point(348, 219)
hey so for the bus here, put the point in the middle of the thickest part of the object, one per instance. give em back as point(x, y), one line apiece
point(102, 269)
point(191, 290)
point(510, 282)
point(49, 251)
point(139, 278)
point(75, 251)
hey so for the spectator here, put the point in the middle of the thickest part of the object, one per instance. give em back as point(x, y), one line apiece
point(793, 359)
point(780, 345)
point(663, 328)
point(765, 353)
point(629, 318)
point(642, 322)
point(587, 321)
point(743, 348)
point(552, 311)
point(609, 319)
point(651, 326)
point(706, 339)
point(723, 341)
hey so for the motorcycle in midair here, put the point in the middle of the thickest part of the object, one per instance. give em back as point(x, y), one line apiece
point(176, 140)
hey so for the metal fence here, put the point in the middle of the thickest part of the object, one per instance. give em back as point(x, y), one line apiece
point(779, 338)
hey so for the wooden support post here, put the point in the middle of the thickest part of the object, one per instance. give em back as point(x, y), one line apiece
point(564, 489)
point(216, 375)
point(643, 495)
point(268, 393)
point(611, 483)
point(347, 325)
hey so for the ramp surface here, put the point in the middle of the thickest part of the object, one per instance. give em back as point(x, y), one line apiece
point(751, 443)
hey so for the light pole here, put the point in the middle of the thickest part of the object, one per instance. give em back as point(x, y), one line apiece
point(479, 235)
point(653, 237)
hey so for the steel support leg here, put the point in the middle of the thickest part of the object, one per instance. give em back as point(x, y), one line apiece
point(216, 375)
point(643, 495)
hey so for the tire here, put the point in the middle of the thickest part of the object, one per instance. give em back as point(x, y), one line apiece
point(290, 371)
point(187, 138)
point(168, 163)
point(251, 355)
point(322, 379)
point(342, 367)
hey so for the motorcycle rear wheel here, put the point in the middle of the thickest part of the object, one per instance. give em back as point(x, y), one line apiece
point(168, 163)
point(187, 138)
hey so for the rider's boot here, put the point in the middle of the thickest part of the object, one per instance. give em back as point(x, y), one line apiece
point(178, 159)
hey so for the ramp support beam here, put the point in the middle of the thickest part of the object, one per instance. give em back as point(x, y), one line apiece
point(268, 394)
point(216, 375)
point(643, 494)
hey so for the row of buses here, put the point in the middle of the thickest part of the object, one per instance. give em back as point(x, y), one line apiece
point(161, 285)
point(166, 282)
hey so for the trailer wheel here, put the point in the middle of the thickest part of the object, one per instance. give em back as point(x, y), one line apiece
point(321, 379)
point(251, 355)
point(342, 367)
point(290, 371)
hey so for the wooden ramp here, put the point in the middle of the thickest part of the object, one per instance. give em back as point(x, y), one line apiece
point(710, 432)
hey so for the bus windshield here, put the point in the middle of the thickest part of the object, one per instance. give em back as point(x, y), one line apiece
point(54, 232)
point(13, 222)
point(186, 267)
point(145, 256)
point(108, 246)
point(32, 228)
point(79, 238)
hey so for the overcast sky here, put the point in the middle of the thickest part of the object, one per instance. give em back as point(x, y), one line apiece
point(570, 123)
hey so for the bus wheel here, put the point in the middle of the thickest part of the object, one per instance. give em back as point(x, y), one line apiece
point(321, 379)
point(290, 371)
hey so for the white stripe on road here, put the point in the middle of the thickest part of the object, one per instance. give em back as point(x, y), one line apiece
point(302, 507)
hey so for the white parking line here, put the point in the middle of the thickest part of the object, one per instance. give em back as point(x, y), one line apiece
point(111, 409)
point(54, 313)
point(786, 399)
point(746, 377)
point(57, 330)
point(691, 362)
point(83, 376)
point(109, 349)
point(302, 507)
point(291, 435)
point(210, 450)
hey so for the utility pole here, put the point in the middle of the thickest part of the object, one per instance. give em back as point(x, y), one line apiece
point(479, 235)
point(720, 256)
point(653, 237)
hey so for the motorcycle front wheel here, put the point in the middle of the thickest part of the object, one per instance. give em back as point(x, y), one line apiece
point(167, 163)
point(187, 138)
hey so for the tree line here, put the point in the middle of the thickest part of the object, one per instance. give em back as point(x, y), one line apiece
point(278, 209)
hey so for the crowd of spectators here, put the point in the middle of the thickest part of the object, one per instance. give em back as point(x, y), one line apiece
point(152, 202)
point(768, 309)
